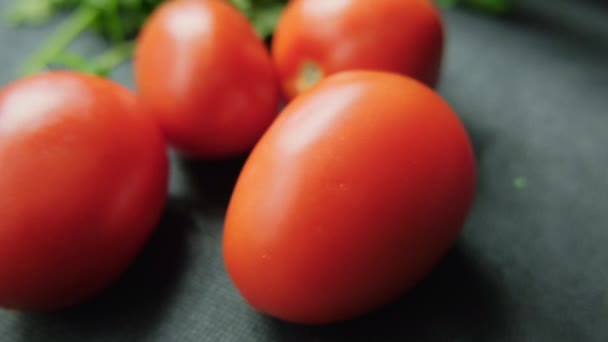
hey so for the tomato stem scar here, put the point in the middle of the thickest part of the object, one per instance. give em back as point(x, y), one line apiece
point(310, 73)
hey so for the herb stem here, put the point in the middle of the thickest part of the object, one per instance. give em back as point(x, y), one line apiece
point(113, 57)
point(60, 40)
point(115, 28)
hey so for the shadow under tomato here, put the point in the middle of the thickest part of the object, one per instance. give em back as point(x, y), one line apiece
point(136, 302)
point(479, 138)
point(461, 299)
point(564, 20)
point(210, 182)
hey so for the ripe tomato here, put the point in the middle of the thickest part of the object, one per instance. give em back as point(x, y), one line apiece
point(208, 77)
point(316, 38)
point(83, 181)
point(352, 196)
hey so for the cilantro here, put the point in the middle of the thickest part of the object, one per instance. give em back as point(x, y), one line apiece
point(119, 21)
point(263, 14)
point(496, 7)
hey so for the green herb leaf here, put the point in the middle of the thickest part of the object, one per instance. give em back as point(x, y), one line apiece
point(447, 3)
point(492, 6)
point(119, 22)
point(263, 14)
point(520, 183)
point(495, 7)
point(265, 18)
point(32, 12)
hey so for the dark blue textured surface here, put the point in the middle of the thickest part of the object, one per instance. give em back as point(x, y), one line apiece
point(532, 264)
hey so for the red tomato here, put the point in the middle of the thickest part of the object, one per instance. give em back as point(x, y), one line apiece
point(83, 180)
point(316, 38)
point(352, 196)
point(208, 77)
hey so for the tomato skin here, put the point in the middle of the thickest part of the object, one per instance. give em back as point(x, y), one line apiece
point(208, 77)
point(401, 36)
point(351, 197)
point(83, 181)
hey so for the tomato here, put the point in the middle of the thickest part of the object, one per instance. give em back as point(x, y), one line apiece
point(208, 77)
point(83, 180)
point(316, 38)
point(353, 195)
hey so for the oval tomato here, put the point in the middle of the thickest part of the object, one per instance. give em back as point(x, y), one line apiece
point(83, 180)
point(316, 38)
point(207, 76)
point(352, 196)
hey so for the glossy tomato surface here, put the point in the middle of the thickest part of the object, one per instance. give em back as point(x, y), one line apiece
point(83, 180)
point(352, 196)
point(207, 76)
point(316, 38)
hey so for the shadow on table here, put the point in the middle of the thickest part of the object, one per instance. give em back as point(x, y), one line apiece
point(211, 181)
point(135, 304)
point(461, 299)
point(580, 22)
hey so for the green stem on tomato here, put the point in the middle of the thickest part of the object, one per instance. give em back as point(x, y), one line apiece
point(61, 39)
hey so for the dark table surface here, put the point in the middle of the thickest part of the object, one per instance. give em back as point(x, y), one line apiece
point(531, 265)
